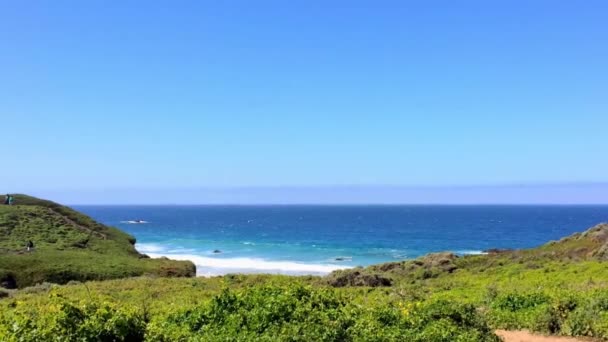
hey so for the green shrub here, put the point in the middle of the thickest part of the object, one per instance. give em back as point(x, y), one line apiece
point(516, 301)
point(589, 317)
point(304, 313)
point(64, 321)
point(281, 308)
point(563, 313)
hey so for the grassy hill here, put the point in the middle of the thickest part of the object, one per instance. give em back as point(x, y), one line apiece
point(591, 245)
point(69, 246)
point(560, 288)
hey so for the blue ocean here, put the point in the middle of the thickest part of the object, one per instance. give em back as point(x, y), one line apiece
point(320, 239)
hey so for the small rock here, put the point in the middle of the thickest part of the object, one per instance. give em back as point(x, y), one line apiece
point(8, 282)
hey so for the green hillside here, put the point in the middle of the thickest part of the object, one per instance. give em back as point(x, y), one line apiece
point(69, 246)
point(591, 245)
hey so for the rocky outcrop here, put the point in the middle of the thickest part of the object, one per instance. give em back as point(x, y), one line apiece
point(598, 234)
point(436, 262)
point(590, 244)
point(358, 278)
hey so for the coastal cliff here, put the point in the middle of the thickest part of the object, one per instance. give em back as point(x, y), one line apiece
point(68, 245)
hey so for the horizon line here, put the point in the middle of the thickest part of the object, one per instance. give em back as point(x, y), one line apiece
point(371, 204)
point(329, 186)
point(546, 194)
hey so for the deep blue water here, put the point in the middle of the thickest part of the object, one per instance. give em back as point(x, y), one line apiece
point(308, 239)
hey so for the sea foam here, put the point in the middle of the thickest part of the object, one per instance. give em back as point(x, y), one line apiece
point(471, 252)
point(150, 248)
point(207, 266)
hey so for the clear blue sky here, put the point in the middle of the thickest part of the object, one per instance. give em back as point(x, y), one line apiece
point(188, 94)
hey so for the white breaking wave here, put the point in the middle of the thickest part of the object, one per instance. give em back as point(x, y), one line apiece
point(207, 266)
point(470, 252)
point(150, 248)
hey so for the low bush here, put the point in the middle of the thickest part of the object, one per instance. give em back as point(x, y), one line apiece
point(64, 321)
point(561, 313)
point(293, 312)
point(517, 302)
point(304, 313)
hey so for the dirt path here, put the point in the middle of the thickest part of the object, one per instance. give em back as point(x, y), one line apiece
point(76, 225)
point(526, 336)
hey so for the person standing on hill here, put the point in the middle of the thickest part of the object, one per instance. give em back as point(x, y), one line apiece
point(30, 245)
point(7, 199)
point(10, 199)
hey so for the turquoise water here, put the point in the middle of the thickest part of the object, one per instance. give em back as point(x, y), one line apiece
point(319, 239)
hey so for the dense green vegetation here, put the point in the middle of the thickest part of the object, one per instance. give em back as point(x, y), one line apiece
point(560, 288)
point(234, 309)
point(559, 298)
point(69, 246)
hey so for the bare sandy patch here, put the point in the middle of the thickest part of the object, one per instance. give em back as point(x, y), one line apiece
point(526, 336)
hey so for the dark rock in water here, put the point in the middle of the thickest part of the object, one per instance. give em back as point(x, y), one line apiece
point(216, 251)
point(343, 259)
